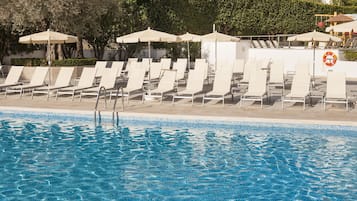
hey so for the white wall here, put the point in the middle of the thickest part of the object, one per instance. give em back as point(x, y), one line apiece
point(226, 51)
point(291, 57)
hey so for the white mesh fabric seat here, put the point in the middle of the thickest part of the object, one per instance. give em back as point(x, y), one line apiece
point(256, 88)
point(100, 66)
point(118, 65)
point(165, 63)
point(63, 80)
point(194, 84)
point(250, 65)
point(180, 67)
point(13, 77)
point(300, 90)
point(135, 83)
point(336, 89)
point(107, 82)
point(221, 85)
point(37, 80)
point(166, 84)
point(276, 78)
point(85, 81)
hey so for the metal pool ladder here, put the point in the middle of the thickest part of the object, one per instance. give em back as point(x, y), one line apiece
point(114, 112)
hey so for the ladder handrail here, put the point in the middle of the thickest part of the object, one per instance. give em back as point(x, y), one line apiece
point(116, 98)
point(98, 96)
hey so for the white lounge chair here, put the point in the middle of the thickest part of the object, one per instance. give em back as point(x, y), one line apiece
point(250, 65)
point(180, 67)
point(256, 88)
point(100, 66)
point(165, 63)
point(155, 70)
point(85, 81)
point(63, 80)
point(276, 78)
point(145, 63)
point(194, 84)
point(37, 80)
point(336, 89)
point(204, 67)
point(238, 67)
point(166, 85)
point(107, 82)
point(13, 77)
point(118, 65)
point(300, 90)
point(134, 84)
point(221, 86)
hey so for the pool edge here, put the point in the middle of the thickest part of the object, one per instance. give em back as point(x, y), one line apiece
point(7, 109)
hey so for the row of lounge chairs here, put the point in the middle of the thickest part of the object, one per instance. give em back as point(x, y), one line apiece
point(255, 76)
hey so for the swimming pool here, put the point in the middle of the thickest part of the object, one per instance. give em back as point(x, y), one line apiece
point(69, 158)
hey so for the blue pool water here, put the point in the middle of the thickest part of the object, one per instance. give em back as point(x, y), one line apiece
point(60, 158)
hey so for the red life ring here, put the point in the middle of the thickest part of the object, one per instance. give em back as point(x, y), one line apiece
point(329, 59)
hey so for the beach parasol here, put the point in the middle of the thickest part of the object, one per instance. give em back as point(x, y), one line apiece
point(314, 37)
point(344, 27)
point(48, 37)
point(218, 37)
point(149, 35)
point(188, 37)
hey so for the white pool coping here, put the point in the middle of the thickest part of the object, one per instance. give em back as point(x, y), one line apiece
point(180, 117)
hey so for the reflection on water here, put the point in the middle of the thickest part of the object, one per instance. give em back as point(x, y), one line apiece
point(147, 160)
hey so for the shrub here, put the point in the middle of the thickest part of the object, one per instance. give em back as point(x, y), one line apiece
point(43, 62)
point(350, 55)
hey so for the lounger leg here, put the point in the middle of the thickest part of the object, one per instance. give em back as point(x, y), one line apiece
point(192, 100)
point(347, 105)
point(240, 101)
point(173, 100)
point(282, 103)
point(32, 94)
point(203, 100)
point(261, 103)
point(80, 97)
point(56, 94)
point(223, 100)
point(303, 108)
point(48, 95)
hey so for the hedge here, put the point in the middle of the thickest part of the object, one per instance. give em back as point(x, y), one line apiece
point(350, 55)
point(43, 62)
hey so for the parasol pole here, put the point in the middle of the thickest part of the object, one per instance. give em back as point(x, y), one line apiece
point(149, 44)
point(188, 55)
point(313, 64)
point(49, 55)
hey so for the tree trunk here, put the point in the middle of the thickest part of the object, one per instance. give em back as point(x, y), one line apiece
point(60, 52)
point(80, 47)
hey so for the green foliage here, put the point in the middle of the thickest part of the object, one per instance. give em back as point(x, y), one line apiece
point(350, 55)
point(43, 62)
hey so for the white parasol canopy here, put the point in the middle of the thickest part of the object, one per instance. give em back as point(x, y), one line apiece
point(48, 37)
point(344, 27)
point(149, 35)
point(218, 37)
point(188, 37)
point(313, 37)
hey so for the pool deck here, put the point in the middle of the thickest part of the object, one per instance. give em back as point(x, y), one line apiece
point(335, 114)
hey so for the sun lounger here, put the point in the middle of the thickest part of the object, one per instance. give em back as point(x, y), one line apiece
point(221, 86)
point(100, 66)
point(13, 77)
point(165, 63)
point(336, 89)
point(86, 81)
point(300, 90)
point(118, 65)
point(194, 84)
point(276, 78)
point(251, 65)
point(145, 63)
point(166, 85)
point(238, 67)
point(256, 88)
point(180, 67)
point(134, 84)
point(107, 82)
point(63, 80)
point(37, 80)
